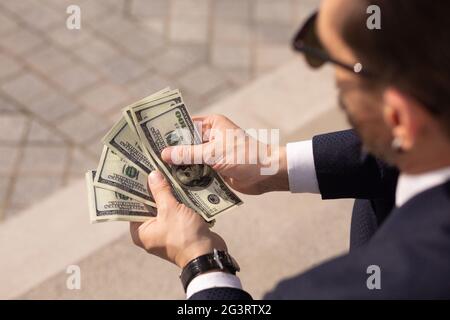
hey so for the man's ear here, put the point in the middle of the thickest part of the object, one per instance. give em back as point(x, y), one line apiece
point(403, 115)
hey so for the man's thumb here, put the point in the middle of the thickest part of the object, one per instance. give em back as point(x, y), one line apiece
point(184, 154)
point(160, 189)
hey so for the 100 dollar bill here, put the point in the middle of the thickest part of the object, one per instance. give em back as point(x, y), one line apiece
point(121, 175)
point(107, 205)
point(155, 107)
point(202, 188)
point(123, 140)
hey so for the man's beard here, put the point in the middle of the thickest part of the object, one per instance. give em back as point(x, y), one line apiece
point(375, 143)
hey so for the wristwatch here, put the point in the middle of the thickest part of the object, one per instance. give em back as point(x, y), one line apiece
point(217, 260)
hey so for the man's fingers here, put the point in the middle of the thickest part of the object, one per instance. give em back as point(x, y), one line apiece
point(134, 231)
point(206, 121)
point(186, 154)
point(161, 191)
point(204, 125)
point(138, 229)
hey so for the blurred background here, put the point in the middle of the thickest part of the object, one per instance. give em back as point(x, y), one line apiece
point(61, 90)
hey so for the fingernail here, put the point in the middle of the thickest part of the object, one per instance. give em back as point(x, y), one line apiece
point(156, 177)
point(165, 154)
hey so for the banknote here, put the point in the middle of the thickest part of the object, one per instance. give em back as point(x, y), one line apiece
point(127, 110)
point(132, 149)
point(124, 141)
point(121, 175)
point(201, 187)
point(156, 106)
point(148, 107)
point(107, 205)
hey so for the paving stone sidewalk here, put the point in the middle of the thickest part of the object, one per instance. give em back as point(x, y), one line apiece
point(61, 89)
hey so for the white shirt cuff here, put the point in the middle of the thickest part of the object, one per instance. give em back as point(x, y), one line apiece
point(301, 168)
point(212, 280)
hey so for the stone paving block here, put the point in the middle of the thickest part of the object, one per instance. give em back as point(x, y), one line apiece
point(83, 126)
point(26, 87)
point(7, 106)
point(117, 5)
point(193, 101)
point(232, 32)
point(7, 24)
point(189, 8)
point(216, 95)
point(96, 50)
point(100, 280)
point(202, 46)
point(155, 25)
point(273, 11)
point(94, 10)
point(103, 98)
point(95, 145)
point(8, 66)
point(42, 17)
point(20, 41)
point(115, 114)
point(176, 60)
point(44, 159)
point(59, 4)
point(12, 127)
point(52, 107)
point(69, 38)
point(113, 26)
point(189, 30)
point(141, 44)
point(231, 56)
point(202, 80)
point(43, 135)
point(75, 78)
point(32, 189)
point(269, 56)
point(237, 76)
point(13, 210)
point(4, 185)
point(232, 10)
point(47, 59)
point(297, 90)
point(149, 8)
point(280, 34)
point(147, 85)
point(80, 162)
point(9, 156)
point(303, 8)
point(121, 69)
point(19, 6)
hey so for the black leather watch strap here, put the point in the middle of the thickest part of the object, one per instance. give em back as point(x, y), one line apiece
point(217, 260)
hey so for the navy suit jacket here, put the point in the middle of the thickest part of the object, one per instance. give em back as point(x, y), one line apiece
point(410, 244)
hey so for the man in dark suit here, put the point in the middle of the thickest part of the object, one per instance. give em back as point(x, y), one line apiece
point(394, 87)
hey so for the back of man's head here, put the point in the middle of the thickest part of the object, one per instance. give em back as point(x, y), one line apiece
point(411, 50)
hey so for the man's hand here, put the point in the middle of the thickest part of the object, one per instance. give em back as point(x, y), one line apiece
point(177, 234)
point(222, 154)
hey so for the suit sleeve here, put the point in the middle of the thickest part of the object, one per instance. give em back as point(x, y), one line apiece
point(344, 170)
point(221, 294)
point(403, 260)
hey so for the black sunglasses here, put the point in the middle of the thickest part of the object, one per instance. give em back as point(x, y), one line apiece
point(307, 42)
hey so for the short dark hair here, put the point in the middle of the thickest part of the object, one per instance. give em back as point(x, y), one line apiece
point(411, 51)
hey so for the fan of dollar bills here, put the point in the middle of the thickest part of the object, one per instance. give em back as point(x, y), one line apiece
point(117, 190)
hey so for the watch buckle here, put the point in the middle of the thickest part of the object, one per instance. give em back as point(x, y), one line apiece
point(217, 259)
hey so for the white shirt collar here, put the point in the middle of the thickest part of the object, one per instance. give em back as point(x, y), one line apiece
point(410, 185)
